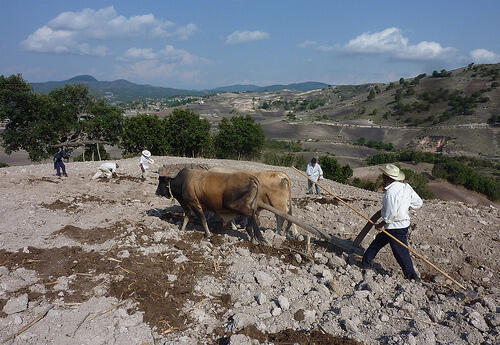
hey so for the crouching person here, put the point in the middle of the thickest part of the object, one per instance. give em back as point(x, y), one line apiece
point(106, 170)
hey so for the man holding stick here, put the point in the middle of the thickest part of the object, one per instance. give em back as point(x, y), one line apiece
point(398, 198)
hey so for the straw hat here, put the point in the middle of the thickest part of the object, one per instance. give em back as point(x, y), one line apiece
point(393, 172)
point(146, 153)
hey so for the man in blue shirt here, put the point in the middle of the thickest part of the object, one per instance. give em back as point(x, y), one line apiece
point(58, 162)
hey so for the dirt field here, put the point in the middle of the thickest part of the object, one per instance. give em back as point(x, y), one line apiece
point(107, 260)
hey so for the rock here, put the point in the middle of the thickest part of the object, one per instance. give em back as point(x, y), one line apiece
point(349, 326)
point(158, 236)
point(240, 339)
point(16, 304)
point(276, 311)
point(435, 313)
point(493, 319)
point(335, 287)
point(326, 274)
point(18, 320)
point(298, 258)
point(240, 320)
point(476, 320)
point(181, 259)
point(336, 261)
point(263, 278)
point(309, 315)
point(384, 318)
point(171, 277)
point(123, 254)
point(261, 298)
point(283, 302)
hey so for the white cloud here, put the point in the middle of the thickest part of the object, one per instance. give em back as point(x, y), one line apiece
point(484, 56)
point(307, 43)
point(392, 42)
point(75, 32)
point(168, 54)
point(246, 36)
point(139, 54)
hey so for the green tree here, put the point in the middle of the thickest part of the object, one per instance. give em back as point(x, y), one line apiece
point(239, 137)
point(371, 95)
point(333, 170)
point(144, 132)
point(187, 134)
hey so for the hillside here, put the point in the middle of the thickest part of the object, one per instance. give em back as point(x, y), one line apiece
point(109, 259)
point(122, 90)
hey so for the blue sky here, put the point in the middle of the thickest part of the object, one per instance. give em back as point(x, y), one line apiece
point(204, 44)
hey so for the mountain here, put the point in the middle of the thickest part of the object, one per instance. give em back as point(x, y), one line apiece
point(122, 90)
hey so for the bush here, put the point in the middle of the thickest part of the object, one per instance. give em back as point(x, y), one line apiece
point(239, 137)
point(333, 170)
point(3, 165)
point(419, 183)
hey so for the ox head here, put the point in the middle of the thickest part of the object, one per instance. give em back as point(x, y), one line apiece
point(165, 175)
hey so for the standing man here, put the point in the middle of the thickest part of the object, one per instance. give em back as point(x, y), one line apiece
point(398, 198)
point(106, 170)
point(59, 164)
point(145, 162)
point(315, 173)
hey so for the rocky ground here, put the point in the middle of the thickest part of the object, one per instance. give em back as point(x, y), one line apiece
point(104, 262)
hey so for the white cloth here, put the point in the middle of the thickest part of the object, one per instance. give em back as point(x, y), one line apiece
point(314, 173)
point(145, 162)
point(109, 165)
point(398, 198)
point(106, 169)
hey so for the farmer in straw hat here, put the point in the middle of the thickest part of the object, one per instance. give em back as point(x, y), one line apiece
point(144, 163)
point(398, 198)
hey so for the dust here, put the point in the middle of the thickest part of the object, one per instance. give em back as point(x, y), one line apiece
point(34, 180)
point(290, 336)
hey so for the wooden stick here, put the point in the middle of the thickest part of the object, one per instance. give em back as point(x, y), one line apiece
point(35, 320)
point(388, 234)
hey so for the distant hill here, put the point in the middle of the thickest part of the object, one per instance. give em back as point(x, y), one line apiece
point(122, 90)
point(306, 86)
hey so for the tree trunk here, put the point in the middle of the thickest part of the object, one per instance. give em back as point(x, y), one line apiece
point(98, 152)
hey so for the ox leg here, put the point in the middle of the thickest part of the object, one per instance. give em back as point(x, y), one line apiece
point(185, 222)
point(257, 232)
point(279, 224)
point(201, 215)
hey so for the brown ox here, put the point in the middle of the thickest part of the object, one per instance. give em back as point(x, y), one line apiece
point(275, 190)
point(228, 195)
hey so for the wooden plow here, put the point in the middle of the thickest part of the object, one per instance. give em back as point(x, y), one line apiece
point(345, 245)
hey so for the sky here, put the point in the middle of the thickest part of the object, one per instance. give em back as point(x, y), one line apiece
point(202, 44)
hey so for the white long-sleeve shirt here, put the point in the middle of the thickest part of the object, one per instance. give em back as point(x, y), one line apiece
point(398, 198)
point(314, 172)
point(145, 162)
point(108, 166)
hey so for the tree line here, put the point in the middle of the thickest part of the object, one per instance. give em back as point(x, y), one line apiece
point(72, 117)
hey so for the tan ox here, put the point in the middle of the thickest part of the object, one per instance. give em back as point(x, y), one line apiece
point(275, 190)
point(228, 195)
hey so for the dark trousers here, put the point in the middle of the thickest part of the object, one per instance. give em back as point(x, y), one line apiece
point(60, 165)
point(401, 254)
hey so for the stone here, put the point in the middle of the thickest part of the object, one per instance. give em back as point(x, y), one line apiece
point(240, 339)
point(384, 318)
point(336, 261)
point(435, 313)
point(123, 254)
point(263, 278)
point(276, 311)
point(493, 319)
point(298, 258)
point(283, 303)
point(16, 304)
point(476, 320)
point(240, 320)
point(349, 325)
point(261, 298)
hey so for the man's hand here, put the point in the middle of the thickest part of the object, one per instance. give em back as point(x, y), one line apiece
point(380, 225)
